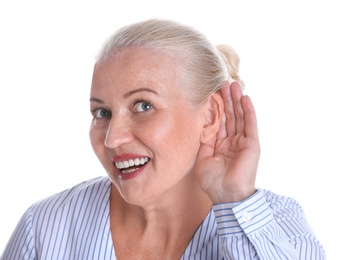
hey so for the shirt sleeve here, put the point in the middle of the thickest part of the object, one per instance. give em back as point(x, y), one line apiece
point(266, 226)
point(21, 244)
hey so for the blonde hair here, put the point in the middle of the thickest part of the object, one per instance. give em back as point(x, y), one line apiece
point(204, 67)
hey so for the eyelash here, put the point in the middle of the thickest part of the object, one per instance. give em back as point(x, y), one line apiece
point(94, 111)
point(139, 101)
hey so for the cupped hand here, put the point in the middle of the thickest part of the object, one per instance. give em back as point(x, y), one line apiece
point(226, 166)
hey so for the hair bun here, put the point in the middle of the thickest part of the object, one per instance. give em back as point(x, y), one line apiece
point(232, 60)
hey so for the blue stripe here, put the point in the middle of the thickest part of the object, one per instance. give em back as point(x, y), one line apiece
point(75, 224)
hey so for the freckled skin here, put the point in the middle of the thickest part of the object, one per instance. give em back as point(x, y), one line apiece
point(198, 156)
point(169, 133)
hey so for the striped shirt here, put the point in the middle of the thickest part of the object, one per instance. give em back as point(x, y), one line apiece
point(74, 224)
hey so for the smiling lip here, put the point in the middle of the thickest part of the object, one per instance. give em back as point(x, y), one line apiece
point(129, 166)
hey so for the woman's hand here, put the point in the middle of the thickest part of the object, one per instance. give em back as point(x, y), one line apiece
point(226, 166)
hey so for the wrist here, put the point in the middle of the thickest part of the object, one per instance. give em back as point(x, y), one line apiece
point(233, 196)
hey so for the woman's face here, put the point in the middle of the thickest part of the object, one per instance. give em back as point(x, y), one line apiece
point(144, 131)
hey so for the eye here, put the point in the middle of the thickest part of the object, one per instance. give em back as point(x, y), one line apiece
point(101, 113)
point(142, 106)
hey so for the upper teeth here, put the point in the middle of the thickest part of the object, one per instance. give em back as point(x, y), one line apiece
point(131, 162)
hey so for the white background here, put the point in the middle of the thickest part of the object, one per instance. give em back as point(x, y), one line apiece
point(296, 60)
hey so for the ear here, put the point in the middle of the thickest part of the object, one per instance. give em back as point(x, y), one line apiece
point(213, 117)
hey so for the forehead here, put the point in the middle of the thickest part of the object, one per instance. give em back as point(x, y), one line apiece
point(136, 67)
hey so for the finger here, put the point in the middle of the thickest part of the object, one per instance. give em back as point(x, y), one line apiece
point(237, 95)
point(251, 129)
point(228, 110)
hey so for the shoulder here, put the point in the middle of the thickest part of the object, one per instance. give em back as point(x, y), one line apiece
point(99, 184)
point(81, 194)
point(68, 217)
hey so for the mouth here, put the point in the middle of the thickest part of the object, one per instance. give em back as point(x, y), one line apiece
point(131, 165)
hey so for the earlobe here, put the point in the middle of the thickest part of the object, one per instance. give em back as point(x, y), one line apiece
point(213, 117)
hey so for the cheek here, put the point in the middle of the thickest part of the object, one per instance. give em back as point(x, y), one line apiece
point(175, 136)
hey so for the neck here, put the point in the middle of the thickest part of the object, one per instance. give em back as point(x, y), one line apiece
point(172, 219)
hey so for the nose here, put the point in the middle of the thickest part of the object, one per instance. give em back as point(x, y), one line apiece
point(118, 133)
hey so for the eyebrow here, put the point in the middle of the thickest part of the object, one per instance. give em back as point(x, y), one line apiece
point(96, 100)
point(128, 94)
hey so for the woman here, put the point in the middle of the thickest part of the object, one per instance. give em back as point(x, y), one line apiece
point(179, 143)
